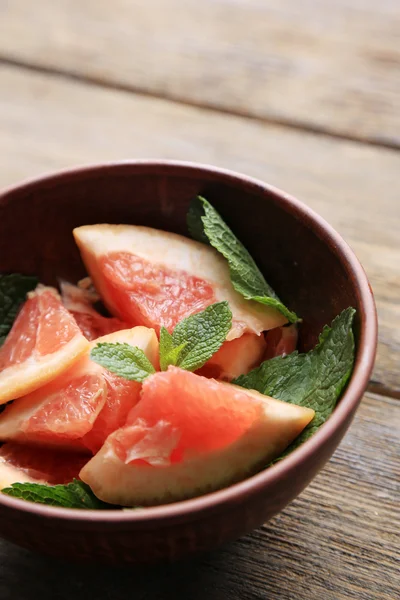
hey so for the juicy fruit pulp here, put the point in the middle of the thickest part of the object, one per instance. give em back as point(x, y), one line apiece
point(79, 301)
point(235, 357)
point(189, 435)
point(43, 342)
point(156, 278)
point(20, 463)
point(280, 341)
point(81, 408)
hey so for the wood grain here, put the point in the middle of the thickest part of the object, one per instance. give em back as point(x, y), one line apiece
point(331, 66)
point(338, 541)
point(47, 123)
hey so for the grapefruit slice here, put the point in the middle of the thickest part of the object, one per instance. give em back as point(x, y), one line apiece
point(20, 463)
point(79, 301)
point(156, 278)
point(122, 395)
point(190, 435)
point(281, 341)
point(43, 342)
point(236, 357)
point(60, 413)
point(65, 412)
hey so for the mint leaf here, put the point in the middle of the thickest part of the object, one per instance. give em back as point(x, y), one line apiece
point(73, 495)
point(196, 338)
point(13, 290)
point(194, 220)
point(315, 379)
point(206, 225)
point(129, 362)
point(166, 344)
point(169, 354)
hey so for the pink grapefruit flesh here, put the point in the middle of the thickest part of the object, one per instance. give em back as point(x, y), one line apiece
point(82, 407)
point(189, 435)
point(20, 463)
point(122, 395)
point(235, 358)
point(43, 343)
point(156, 278)
point(79, 301)
point(280, 341)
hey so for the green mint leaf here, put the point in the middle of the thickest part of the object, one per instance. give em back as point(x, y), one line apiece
point(73, 495)
point(203, 334)
point(194, 219)
point(315, 379)
point(206, 225)
point(129, 362)
point(166, 345)
point(196, 338)
point(169, 353)
point(13, 290)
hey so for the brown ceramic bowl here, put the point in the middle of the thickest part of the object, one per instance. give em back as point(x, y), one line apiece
point(304, 259)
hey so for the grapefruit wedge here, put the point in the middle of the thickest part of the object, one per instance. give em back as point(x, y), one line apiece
point(156, 278)
point(43, 342)
point(82, 407)
point(79, 301)
point(122, 395)
point(236, 357)
point(280, 341)
point(190, 435)
point(20, 463)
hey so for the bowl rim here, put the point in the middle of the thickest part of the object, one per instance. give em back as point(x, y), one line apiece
point(190, 509)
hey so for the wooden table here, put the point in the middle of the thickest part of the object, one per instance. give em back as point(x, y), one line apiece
point(304, 95)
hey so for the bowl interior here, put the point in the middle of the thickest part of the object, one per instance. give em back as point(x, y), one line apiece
point(297, 256)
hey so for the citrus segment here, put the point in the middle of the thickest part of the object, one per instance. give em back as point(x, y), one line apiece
point(147, 293)
point(79, 301)
point(59, 413)
point(43, 342)
point(20, 463)
point(189, 435)
point(235, 358)
point(280, 341)
point(83, 406)
point(156, 278)
point(122, 395)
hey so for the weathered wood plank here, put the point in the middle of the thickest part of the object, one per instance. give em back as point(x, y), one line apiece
point(338, 541)
point(47, 123)
point(332, 65)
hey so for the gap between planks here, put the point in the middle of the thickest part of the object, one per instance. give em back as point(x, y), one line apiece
point(294, 124)
point(375, 387)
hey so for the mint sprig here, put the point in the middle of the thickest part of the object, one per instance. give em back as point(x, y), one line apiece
point(129, 362)
point(315, 379)
point(169, 352)
point(13, 290)
point(192, 343)
point(73, 495)
point(206, 225)
point(197, 338)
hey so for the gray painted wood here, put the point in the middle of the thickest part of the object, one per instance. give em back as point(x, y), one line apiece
point(331, 65)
